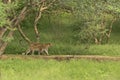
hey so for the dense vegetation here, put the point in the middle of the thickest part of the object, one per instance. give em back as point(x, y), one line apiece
point(63, 43)
point(73, 27)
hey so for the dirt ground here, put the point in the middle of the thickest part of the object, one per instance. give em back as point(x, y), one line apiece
point(61, 57)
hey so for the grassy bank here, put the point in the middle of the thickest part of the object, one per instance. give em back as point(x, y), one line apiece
point(53, 70)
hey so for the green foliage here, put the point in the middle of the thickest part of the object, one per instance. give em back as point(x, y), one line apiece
point(94, 19)
point(67, 25)
point(7, 39)
point(3, 16)
point(58, 30)
point(13, 69)
point(7, 11)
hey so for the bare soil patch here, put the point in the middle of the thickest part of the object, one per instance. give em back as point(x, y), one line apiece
point(61, 57)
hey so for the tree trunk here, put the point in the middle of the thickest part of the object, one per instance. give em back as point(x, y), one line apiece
point(41, 7)
point(15, 21)
point(2, 31)
point(23, 34)
point(96, 41)
point(35, 26)
point(110, 29)
point(4, 45)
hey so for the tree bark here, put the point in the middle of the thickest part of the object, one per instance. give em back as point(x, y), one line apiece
point(110, 29)
point(41, 7)
point(4, 45)
point(14, 22)
point(23, 34)
point(35, 26)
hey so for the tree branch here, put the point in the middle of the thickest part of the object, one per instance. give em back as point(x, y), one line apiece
point(14, 23)
point(42, 7)
point(23, 34)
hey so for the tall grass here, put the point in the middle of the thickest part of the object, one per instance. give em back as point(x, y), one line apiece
point(67, 49)
point(63, 43)
point(16, 69)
